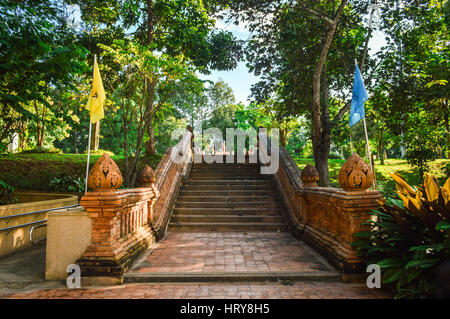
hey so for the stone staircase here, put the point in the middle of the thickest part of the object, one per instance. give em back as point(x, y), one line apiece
point(227, 197)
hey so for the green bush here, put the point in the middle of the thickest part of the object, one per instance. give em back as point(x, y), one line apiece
point(410, 237)
point(7, 194)
point(66, 183)
point(335, 155)
point(45, 149)
point(100, 152)
point(446, 169)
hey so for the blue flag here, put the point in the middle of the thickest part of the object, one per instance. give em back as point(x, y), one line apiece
point(358, 98)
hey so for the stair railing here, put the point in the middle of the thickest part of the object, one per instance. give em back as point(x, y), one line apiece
point(173, 168)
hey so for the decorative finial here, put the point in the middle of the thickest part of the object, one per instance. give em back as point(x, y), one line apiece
point(146, 177)
point(310, 176)
point(105, 174)
point(355, 174)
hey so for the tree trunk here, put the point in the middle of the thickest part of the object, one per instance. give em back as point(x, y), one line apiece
point(381, 151)
point(283, 137)
point(96, 137)
point(322, 149)
point(150, 148)
point(320, 135)
point(150, 144)
point(447, 127)
point(75, 139)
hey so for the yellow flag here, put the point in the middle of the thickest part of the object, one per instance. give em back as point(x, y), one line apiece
point(97, 97)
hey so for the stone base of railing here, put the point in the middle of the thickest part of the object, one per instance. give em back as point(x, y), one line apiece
point(325, 217)
point(329, 217)
point(121, 230)
point(112, 265)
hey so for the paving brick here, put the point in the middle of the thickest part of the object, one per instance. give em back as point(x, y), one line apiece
point(227, 251)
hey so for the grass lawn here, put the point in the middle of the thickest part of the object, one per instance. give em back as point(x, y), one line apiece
point(33, 171)
point(385, 184)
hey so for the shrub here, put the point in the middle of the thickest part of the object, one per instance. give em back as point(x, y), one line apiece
point(410, 237)
point(335, 155)
point(7, 194)
point(446, 169)
point(45, 149)
point(66, 183)
point(100, 152)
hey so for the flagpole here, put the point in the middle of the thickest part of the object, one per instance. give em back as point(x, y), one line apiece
point(89, 155)
point(351, 141)
point(89, 139)
point(368, 152)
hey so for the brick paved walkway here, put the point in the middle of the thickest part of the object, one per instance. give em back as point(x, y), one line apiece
point(299, 290)
point(231, 252)
point(217, 252)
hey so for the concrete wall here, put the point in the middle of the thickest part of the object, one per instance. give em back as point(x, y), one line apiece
point(18, 239)
point(68, 236)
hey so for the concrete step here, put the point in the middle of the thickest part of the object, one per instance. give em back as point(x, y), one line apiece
point(219, 175)
point(236, 205)
point(230, 182)
point(260, 276)
point(204, 166)
point(181, 219)
point(227, 199)
point(228, 211)
point(227, 177)
point(231, 192)
point(240, 226)
point(231, 167)
point(211, 188)
point(226, 161)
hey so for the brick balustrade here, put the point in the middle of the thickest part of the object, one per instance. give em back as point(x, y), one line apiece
point(327, 217)
point(172, 169)
point(126, 221)
point(120, 230)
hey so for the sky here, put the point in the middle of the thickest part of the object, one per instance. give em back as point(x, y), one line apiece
point(240, 79)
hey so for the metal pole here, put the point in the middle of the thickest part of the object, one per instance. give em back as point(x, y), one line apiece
point(89, 139)
point(368, 151)
point(88, 157)
point(351, 142)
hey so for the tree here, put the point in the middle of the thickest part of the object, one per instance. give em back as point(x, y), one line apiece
point(38, 55)
point(414, 73)
point(141, 68)
point(294, 51)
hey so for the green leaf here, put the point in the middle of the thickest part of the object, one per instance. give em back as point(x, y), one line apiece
point(391, 263)
point(412, 274)
point(392, 275)
point(363, 234)
point(423, 263)
point(436, 247)
point(443, 225)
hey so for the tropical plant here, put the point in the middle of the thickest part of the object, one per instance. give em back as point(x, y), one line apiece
point(409, 237)
point(7, 194)
point(66, 183)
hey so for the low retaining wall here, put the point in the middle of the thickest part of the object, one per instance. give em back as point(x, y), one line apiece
point(16, 239)
point(68, 236)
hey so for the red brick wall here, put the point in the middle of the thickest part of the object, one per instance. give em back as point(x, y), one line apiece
point(120, 230)
point(168, 179)
point(325, 217)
